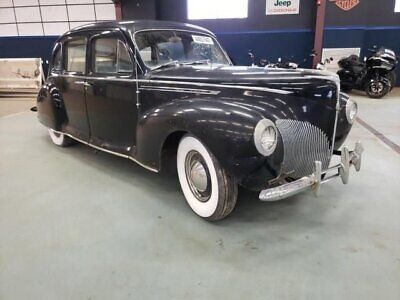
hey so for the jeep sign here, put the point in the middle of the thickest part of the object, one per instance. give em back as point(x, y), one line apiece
point(283, 7)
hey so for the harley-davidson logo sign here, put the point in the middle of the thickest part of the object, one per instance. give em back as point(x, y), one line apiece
point(346, 4)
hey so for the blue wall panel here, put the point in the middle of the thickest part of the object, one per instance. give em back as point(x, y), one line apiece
point(364, 38)
point(293, 45)
point(296, 45)
point(27, 47)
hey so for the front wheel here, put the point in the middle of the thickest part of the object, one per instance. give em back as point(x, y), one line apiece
point(377, 88)
point(60, 139)
point(208, 189)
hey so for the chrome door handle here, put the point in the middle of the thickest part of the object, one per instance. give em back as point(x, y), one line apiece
point(85, 83)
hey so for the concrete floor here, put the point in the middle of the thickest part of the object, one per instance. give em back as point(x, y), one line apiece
point(75, 224)
point(9, 106)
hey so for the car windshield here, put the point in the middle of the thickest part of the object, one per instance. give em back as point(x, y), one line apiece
point(167, 48)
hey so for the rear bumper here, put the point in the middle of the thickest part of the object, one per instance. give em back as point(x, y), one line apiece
point(314, 181)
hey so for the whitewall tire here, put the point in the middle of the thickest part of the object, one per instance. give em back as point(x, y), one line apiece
point(208, 189)
point(59, 138)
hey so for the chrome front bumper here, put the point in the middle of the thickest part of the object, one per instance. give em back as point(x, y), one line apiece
point(314, 181)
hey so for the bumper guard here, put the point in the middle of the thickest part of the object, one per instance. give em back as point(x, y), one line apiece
point(314, 181)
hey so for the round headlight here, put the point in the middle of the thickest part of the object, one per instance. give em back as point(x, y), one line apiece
point(265, 137)
point(351, 111)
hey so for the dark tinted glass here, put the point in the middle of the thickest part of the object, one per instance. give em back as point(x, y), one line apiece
point(111, 56)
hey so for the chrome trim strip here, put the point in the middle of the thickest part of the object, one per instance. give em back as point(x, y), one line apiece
point(200, 84)
point(336, 117)
point(108, 151)
point(72, 137)
point(241, 87)
point(178, 90)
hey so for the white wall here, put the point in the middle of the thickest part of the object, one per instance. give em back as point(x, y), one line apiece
point(50, 17)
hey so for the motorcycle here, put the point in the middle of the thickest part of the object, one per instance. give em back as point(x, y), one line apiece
point(376, 76)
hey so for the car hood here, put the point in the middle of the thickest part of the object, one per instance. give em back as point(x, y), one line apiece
point(273, 78)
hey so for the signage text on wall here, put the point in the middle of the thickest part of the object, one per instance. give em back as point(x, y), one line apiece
point(283, 7)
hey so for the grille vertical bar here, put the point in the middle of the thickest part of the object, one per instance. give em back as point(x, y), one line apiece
point(303, 144)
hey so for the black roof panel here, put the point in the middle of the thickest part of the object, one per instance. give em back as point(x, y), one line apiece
point(138, 25)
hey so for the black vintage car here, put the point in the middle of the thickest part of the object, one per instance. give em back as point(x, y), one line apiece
point(145, 90)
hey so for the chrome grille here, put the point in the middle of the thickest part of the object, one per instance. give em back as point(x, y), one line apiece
point(303, 144)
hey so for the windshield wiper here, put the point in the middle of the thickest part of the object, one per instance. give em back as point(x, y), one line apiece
point(167, 64)
point(177, 62)
point(196, 62)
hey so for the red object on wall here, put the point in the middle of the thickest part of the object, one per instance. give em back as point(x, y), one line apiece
point(118, 10)
point(346, 4)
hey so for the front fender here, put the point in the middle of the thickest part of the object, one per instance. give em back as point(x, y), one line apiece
point(225, 127)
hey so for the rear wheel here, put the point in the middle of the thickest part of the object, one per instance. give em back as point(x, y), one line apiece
point(208, 189)
point(60, 139)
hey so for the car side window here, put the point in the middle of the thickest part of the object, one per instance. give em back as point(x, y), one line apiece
point(110, 56)
point(56, 65)
point(124, 60)
point(75, 55)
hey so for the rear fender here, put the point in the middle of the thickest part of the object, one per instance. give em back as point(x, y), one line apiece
point(50, 106)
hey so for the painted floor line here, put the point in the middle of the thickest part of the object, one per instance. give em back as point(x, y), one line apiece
point(381, 136)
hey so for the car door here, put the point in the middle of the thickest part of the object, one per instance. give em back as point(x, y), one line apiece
point(72, 86)
point(111, 93)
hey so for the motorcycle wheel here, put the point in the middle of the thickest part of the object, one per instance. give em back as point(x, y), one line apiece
point(377, 88)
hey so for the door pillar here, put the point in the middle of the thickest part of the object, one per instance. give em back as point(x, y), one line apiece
point(319, 31)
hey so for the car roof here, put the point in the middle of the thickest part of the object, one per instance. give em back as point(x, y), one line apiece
point(139, 25)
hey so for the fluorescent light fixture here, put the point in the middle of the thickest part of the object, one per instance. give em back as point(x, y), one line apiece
point(217, 9)
point(397, 7)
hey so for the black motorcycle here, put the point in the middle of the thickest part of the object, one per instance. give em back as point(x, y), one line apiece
point(376, 76)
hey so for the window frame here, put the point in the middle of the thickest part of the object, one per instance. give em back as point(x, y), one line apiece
point(64, 55)
point(149, 68)
point(58, 48)
point(119, 37)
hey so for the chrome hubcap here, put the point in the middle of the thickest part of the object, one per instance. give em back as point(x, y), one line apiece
point(198, 176)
